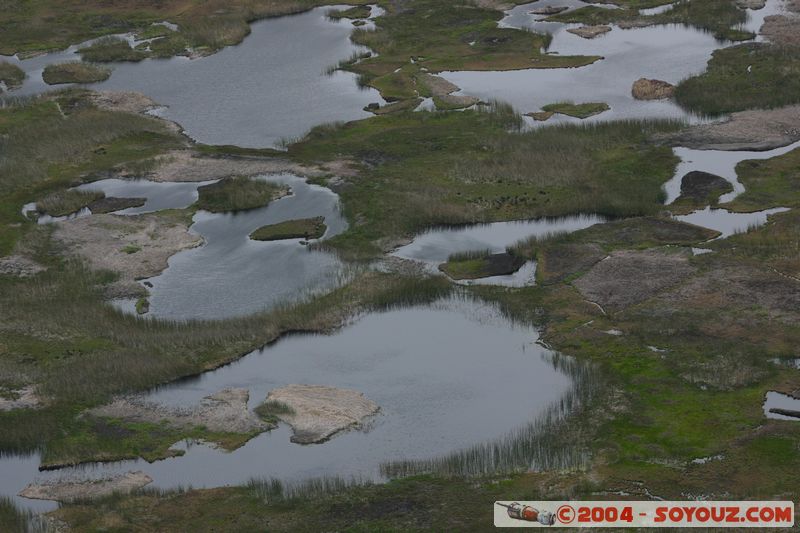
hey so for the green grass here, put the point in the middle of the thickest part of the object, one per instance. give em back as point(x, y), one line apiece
point(481, 264)
point(205, 27)
point(11, 75)
point(720, 17)
point(438, 35)
point(142, 306)
point(238, 194)
point(746, 76)
point(304, 228)
point(270, 411)
point(423, 169)
point(577, 110)
point(74, 72)
point(106, 439)
point(355, 12)
point(110, 49)
point(66, 202)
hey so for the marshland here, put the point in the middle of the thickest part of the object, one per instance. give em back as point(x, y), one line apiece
point(579, 307)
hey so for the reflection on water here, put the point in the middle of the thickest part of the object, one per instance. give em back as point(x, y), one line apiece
point(440, 373)
point(159, 195)
point(436, 245)
point(729, 223)
point(777, 400)
point(667, 52)
point(271, 87)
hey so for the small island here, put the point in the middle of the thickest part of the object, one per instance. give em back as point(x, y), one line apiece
point(302, 228)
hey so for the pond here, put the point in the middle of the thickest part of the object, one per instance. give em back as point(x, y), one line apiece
point(272, 86)
point(232, 275)
point(447, 376)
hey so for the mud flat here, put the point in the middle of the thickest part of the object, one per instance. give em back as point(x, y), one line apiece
point(68, 491)
point(316, 412)
point(134, 247)
point(225, 411)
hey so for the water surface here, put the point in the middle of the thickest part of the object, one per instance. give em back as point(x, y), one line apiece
point(272, 86)
point(232, 275)
point(440, 373)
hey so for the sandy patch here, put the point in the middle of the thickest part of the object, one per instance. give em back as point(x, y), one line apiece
point(67, 491)
point(185, 165)
point(135, 247)
point(125, 101)
point(225, 411)
point(319, 412)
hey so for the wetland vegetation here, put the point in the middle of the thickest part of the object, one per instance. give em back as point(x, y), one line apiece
point(305, 228)
point(74, 72)
point(238, 194)
point(684, 359)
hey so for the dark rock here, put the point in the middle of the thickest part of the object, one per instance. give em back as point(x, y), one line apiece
point(701, 186)
point(111, 204)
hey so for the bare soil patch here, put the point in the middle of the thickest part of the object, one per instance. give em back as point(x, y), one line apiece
point(319, 412)
point(225, 411)
point(19, 266)
point(68, 491)
point(135, 247)
point(626, 278)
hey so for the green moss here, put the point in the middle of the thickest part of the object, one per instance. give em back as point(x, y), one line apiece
point(238, 194)
point(142, 306)
point(577, 110)
point(304, 228)
point(107, 439)
point(74, 72)
point(755, 75)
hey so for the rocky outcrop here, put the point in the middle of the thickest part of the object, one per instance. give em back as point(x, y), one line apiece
point(68, 491)
point(317, 412)
point(758, 129)
point(647, 89)
point(590, 32)
point(626, 277)
point(700, 187)
point(109, 204)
